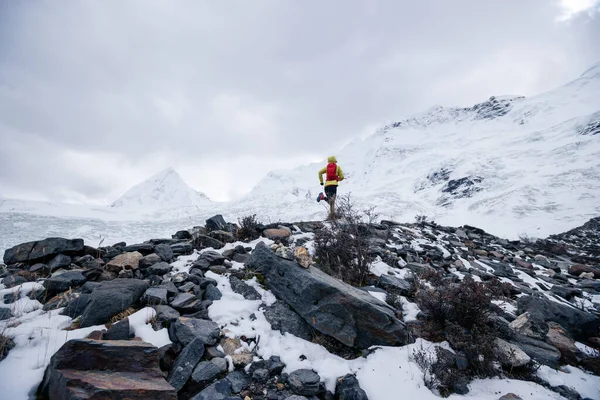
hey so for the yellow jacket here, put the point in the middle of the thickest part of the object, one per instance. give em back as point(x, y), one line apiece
point(339, 172)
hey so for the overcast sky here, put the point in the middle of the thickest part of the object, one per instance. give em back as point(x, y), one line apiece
point(98, 95)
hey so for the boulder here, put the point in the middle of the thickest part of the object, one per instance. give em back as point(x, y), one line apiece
point(241, 287)
point(205, 372)
point(143, 248)
point(276, 234)
point(203, 241)
point(118, 331)
point(220, 390)
point(239, 380)
point(222, 236)
point(577, 270)
point(76, 305)
point(182, 249)
point(581, 325)
point(304, 382)
point(185, 363)
point(60, 261)
point(43, 250)
point(531, 325)
point(64, 280)
point(212, 293)
point(558, 338)
point(149, 260)
point(182, 235)
point(124, 261)
point(285, 320)
point(332, 307)
point(185, 330)
point(103, 369)
point(347, 388)
point(393, 284)
point(110, 298)
point(40, 268)
point(510, 355)
point(165, 252)
point(566, 293)
point(159, 269)
point(207, 259)
point(216, 223)
point(166, 313)
point(155, 296)
point(539, 351)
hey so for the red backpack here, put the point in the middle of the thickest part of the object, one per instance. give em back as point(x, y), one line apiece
point(332, 172)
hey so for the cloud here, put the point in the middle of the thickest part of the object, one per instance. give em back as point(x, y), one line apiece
point(97, 95)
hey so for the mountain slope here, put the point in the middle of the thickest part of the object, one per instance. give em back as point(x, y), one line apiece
point(510, 164)
point(163, 191)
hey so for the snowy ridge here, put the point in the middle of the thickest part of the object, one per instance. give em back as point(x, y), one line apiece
point(511, 165)
point(164, 190)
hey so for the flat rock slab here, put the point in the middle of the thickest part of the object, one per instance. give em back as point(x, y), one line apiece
point(332, 307)
point(185, 330)
point(105, 369)
point(43, 250)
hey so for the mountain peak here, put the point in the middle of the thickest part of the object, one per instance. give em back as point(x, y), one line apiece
point(166, 189)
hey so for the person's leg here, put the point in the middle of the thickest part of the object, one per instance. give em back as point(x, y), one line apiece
point(331, 192)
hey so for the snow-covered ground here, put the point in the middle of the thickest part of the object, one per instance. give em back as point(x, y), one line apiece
point(387, 373)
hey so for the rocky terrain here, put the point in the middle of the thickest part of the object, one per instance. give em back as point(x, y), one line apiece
point(219, 312)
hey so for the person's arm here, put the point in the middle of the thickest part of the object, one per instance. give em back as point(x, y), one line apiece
point(340, 174)
point(321, 172)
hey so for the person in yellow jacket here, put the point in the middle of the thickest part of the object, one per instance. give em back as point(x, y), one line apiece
point(333, 174)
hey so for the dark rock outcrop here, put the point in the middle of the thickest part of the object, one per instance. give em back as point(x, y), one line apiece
point(43, 250)
point(346, 313)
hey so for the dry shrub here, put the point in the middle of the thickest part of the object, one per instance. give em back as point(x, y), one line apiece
point(459, 313)
point(249, 228)
point(122, 314)
point(342, 250)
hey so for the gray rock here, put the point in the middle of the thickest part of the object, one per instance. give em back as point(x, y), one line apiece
point(241, 258)
point(566, 292)
point(183, 300)
point(239, 380)
point(39, 268)
point(184, 330)
point(392, 283)
point(206, 371)
point(118, 331)
point(220, 390)
point(296, 397)
point(159, 269)
point(332, 307)
point(510, 355)
point(539, 351)
point(580, 324)
point(149, 260)
point(111, 298)
point(185, 363)
point(285, 320)
point(187, 287)
point(155, 296)
point(166, 313)
point(42, 250)
point(171, 288)
point(60, 261)
point(76, 306)
point(260, 375)
point(89, 287)
point(212, 293)
point(182, 249)
point(304, 382)
point(62, 281)
point(208, 259)
point(203, 241)
point(183, 235)
point(347, 388)
point(216, 223)
point(13, 280)
point(212, 352)
point(241, 287)
point(275, 366)
point(142, 248)
point(165, 252)
point(220, 363)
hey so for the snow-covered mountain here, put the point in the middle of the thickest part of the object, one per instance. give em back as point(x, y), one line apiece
point(510, 164)
point(163, 191)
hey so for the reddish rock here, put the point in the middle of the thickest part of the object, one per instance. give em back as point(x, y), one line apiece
point(497, 255)
point(578, 269)
point(559, 338)
point(105, 369)
point(96, 335)
point(523, 264)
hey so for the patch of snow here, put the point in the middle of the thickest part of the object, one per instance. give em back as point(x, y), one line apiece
point(139, 324)
point(378, 295)
point(587, 385)
point(409, 310)
point(587, 350)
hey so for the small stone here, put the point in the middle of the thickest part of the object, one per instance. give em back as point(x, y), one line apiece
point(205, 372)
point(220, 363)
point(155, 296)
point(304, 382)
point(124, 261)
point(212, 293)
point(239, 381)
point(95, 335)
point(261, 375)
point(303, 257)
point(511, 355)
point(233, 347)
point(510, 396)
